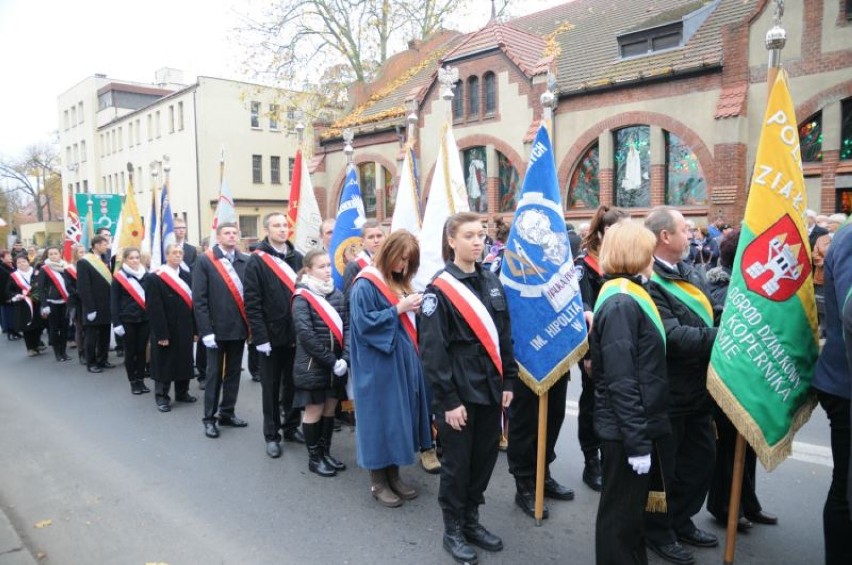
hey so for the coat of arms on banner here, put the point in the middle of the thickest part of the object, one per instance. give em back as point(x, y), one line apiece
point(776, 263)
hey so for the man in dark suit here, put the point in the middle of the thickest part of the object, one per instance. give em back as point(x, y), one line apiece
point(217, 296)
point(93, 287)
point(190, 253)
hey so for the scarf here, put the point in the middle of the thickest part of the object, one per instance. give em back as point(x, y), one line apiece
point(58, 266)
point(138, 273)
point(317, 286)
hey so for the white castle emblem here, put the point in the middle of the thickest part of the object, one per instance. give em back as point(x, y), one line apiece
point(782, 262)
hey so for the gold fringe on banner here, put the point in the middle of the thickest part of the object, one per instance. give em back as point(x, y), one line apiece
point(542, 386)
point(656, 502)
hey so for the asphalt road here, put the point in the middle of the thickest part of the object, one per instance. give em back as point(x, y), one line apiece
point(121, 483)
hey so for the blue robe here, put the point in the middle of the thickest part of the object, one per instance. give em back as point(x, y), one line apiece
point(391, 407)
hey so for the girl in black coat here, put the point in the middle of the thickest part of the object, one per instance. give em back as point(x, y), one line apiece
point(55, 286)
point(22, 293)
point(631, 390)
point(322, 358)
point(129, 318)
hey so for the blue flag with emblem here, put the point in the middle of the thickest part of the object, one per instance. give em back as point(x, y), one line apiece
point(346, 239)
point(542, 290)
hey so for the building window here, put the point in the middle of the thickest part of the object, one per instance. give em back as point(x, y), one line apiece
point(275, 169)
point(68, 160)
point(248, 227)
point(130, 134)
point(584, 188)
point(157, 123)
point(120, 140)
point(76, 154)
point(180, 116)
point(490, 93)
point(846, 128)
point(367, 182)
point(633, 167)
point(255, 114)
point(83, 151)
point(389, 194)
point(475, 171)
point(80, 114)
point(651, 40)
point(171, 118)
point(291, 164)
point(273, 116)
point(510, 184)
point(810, 138)
point(65, 120)
point(473, 96)
point(85, 186)
point(150, 127)
point(458, 101)
point(138, 132)
point(685, 184)
point(257, 169)
point(73, 116)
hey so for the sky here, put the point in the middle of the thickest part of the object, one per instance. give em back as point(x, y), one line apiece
point(49, 46)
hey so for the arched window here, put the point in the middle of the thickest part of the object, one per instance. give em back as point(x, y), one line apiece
point(490, 93)
point(475, 178)
point(633, 167)
point(458, 101)
point(685, 184)
point(367, 183)
point(846, 129)
point(390, 194)
point(510, 184)
point(810, 138)
point(473, 97)
point(584, 188)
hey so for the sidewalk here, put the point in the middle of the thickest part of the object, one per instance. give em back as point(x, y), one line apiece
point(12, 550)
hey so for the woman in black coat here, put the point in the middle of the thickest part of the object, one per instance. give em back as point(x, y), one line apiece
point(631, 390)
point(129, 318)
point(55, 286)
point(22, 293)
point(322, 358)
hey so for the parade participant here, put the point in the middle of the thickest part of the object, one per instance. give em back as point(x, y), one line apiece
point(322, 358)
point(590, 278)
point(372, 237)
point(129, 318)
point(93, 285)
point(7, 266)
point(833, 384)
point(326, 232)
point(466, 350)
point(220, 316)
point(687, 455)
point(390, 394)
point(22, 292)
point(169, 305)
point(200, 350)
point(190, 253)
point(54, 284)
point(628, 345)
point(270, 281)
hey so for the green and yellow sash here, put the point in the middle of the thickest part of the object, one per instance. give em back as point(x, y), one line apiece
point(690, 295)
point(639, 294)
point(98, 265)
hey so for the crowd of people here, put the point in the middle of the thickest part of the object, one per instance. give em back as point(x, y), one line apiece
point(432, 374)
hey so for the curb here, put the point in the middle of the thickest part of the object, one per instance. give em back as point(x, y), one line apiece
point(12, 548)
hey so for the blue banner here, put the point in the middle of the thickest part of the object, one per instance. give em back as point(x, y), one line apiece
point(346, 239)
point(167, 224)
point(542, 290)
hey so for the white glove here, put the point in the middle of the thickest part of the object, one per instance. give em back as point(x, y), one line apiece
point(340, 367)
point(45, 312)
point(265, 348)
point(641, 464)
point(119, 331)
point(91, 316)
point(209, 341)
point(17, 298)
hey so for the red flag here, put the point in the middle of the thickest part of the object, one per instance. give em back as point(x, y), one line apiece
point(73, 230)
point(295, 190)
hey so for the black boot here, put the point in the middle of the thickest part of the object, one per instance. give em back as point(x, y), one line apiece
point(525, 498)
point(135, 388)
point(316, 463)
point(476, 532)
point(57, 352)
point(63, 356)
point(454, 541)
point(592, 473)
point(325, 442)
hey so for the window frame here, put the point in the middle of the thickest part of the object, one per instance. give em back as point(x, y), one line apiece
point(257, 169)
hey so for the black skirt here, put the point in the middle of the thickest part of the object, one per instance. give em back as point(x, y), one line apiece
point(303, 397)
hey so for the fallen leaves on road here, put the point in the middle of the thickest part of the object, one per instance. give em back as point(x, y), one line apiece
point(43, 524)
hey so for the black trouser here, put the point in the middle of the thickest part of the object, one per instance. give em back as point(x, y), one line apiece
point(201, 360)
point(228, 356)
point(161, 390)
point(523, 427)
point(686, 458)
point(32, 338)
point(276, 373)
point(253, 360)
point(135, 349)
point(723, 474)
point(836, 524)
point(589, 442)
point(619, 537)
point(469, 457)
point(97, 344)
point(57, 328)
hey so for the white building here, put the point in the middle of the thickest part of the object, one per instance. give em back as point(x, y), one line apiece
point(108, 127)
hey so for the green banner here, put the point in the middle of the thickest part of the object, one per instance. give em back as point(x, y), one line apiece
point(105, 211)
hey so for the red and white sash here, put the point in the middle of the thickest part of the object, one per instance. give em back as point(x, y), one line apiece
point(282, 270)
point(176, 283)
point(474, 313)
point(326, 311)
point(72, 271)
point(132, 286)
point(373, 275)
point(363, 259)
point(26, 288)
point(232, 281)
point(58, 281)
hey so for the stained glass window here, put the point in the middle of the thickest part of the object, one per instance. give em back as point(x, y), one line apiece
point(367, 183)
point(584, 187)
point(846, 129)
point(510, 184)
point(473, 96)
point(810, 138)
point(475, 178)
point(458, 101)
point(633, 167)
point(490, 93)
point(390, 194)
point(685, 184)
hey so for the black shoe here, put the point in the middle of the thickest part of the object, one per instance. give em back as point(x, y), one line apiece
point(553, 489)
point(477, 534)
point(761, 517)
point(95, 369)
point(188, 398)
point(134, 387)
point(295, 435)
point(232, 421)
point(699, 538)
point(168, 408)
point(202, 384)
point(525, 498)
point(64, 357)
point(106, 365)
point(210, 429)
point(743, 524)
point(273, 449)
point(316, 463)
point(672, 552)
point(255, 377)
point(454, 542)
point(592, 475)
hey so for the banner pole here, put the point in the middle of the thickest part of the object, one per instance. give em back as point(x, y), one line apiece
point(540, 457)
point(734, 502)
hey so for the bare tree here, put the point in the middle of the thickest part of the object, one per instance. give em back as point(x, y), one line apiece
point(33, 177)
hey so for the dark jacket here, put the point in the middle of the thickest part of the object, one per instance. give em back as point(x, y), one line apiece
point(718, 280)
point(190, 254)
point(689, 342)
point(94, 292)
point(590, 281)
point(48, 290)
point(123, 308)
point(268, 300)
point(216, 311)
point(629, 364)
point(316, 349)
point(5, 273)
point(815, 234)
point(24, 320)
point(454, 361)
point(350, 271)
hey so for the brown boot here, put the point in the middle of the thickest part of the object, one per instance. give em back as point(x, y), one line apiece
point(382, 491)
point(405, 492)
